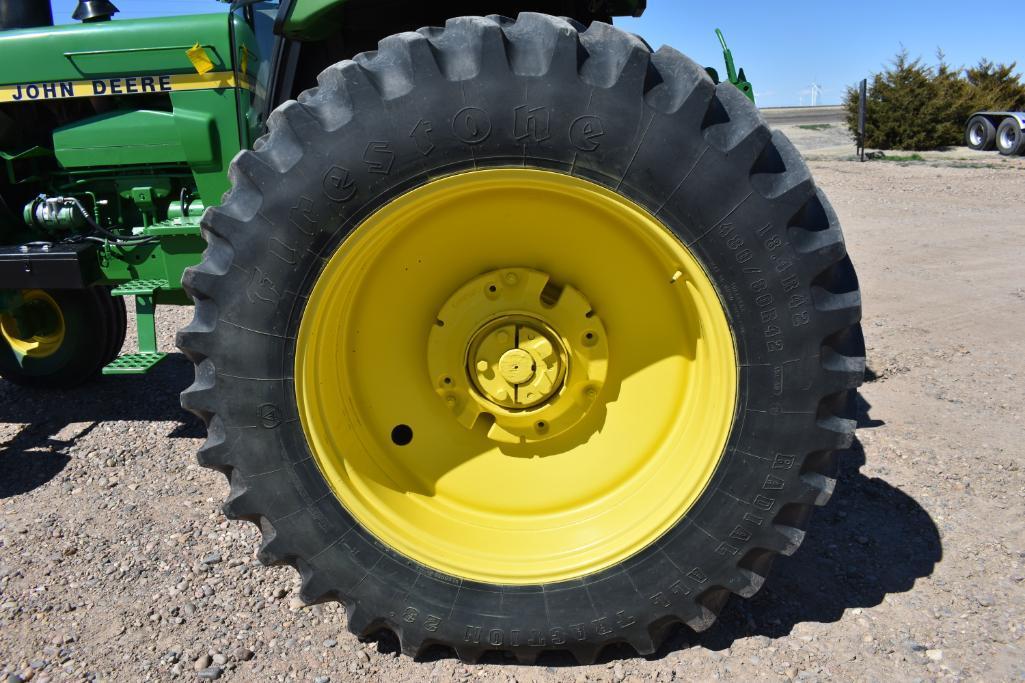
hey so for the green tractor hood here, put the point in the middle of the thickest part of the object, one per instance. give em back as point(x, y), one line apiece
point(136, 47)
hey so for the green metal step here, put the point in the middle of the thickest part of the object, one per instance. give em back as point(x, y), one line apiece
point(139, 288)
point(147, 356)
point(133, 363)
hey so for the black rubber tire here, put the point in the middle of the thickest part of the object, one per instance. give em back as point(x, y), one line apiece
point(660, 132)
point(980, 134)
point(1010, 138)
point(118, 326)
point(95, 326)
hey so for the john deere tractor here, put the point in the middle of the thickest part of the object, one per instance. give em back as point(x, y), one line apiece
point(511, 333)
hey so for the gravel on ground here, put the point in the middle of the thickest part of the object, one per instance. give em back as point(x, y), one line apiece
point(117, 564)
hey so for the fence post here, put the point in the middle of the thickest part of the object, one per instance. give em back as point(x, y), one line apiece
point(862, 116)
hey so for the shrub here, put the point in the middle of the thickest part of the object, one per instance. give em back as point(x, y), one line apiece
point(995, 87)
point(914, 106)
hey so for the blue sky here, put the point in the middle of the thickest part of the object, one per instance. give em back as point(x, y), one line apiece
point(784, 46)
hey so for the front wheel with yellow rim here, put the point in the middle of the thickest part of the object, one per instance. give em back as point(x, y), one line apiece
point(59, 337)
point(557, 360)
point(531, 423)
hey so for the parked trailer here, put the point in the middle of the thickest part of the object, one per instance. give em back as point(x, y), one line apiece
point(1000, 130)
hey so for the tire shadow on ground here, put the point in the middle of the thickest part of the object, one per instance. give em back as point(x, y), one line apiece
point(870, 541)
point(38, 450)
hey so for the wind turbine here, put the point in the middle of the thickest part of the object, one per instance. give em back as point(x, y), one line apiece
point(816, 90)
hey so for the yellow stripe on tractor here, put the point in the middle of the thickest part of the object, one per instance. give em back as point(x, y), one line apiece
point(120, 85)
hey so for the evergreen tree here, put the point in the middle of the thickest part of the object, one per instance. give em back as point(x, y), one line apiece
point(995, 87)
point(913, 106)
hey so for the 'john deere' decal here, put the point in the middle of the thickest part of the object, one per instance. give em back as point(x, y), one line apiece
point(120, 85)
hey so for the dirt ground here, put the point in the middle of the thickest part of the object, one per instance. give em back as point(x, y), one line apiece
point(116, 563)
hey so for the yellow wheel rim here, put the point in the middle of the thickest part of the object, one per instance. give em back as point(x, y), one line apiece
point(41, 344)
point(453, 295)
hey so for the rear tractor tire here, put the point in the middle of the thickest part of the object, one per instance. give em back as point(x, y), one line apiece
point(516, 336)
point(980, 134)
point(74, 334)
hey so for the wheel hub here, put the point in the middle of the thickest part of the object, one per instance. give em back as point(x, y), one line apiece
point(35, 328)
point(533, 367)
point(517, 367)
point(976, 134)
point(516, 362)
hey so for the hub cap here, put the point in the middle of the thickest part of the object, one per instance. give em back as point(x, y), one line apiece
point(39, 330)
point(532, 369)
point(976, 134)
point(515, 376)
point(1007, 138)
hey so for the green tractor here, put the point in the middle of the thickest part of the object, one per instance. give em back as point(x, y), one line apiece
point(511, 334)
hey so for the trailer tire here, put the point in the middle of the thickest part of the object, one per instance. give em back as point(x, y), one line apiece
point(90, 335)
point(980, 134)
point(491, 116)
point(1010, 138)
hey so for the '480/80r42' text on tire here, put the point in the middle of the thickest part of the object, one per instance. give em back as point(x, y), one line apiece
point(517, 336)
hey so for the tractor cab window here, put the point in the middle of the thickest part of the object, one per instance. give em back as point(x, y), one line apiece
point(254, 45)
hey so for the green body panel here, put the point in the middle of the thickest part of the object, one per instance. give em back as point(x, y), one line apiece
point(122, 139)
point(114, 48)
point(208, 125)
